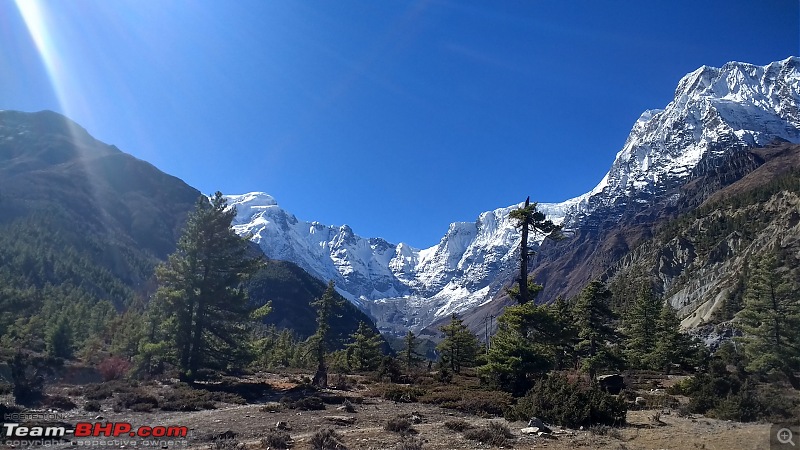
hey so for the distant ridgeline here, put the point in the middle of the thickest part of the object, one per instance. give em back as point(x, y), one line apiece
point(82, 227)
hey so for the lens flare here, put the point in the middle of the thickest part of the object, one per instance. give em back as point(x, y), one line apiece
point(53, 52)
point(37, 23)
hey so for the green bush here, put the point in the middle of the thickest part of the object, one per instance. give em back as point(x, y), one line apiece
point(27, 373)
point(399, 393)
point(309, 404)
point(735, 396)
point(560, 401)
point(183, 397)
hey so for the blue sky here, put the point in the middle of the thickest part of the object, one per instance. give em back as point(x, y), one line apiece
point(396, 118)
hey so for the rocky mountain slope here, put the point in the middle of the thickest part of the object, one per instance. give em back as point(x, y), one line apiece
point(716, 113)
point(699, 261)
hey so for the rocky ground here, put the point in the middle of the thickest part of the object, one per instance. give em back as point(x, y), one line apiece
point(365, 427)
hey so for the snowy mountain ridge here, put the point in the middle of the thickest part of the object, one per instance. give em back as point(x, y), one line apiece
point(715, 110)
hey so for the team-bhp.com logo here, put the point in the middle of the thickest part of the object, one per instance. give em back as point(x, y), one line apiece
point(92, 429)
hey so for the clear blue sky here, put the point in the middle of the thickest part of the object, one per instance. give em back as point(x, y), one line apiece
point(396, 118)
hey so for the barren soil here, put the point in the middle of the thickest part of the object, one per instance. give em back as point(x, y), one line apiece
point(251, 422)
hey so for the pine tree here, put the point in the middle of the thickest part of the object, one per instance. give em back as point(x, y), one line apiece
point(327, 307)
point(529, 219)
point(410, 355)
point(771, 320)
point(285, 349)
point(640, 324)
point(523, 347)
point(595, 322)
point(200, 292)
point(364, 352)
point(459, 347)
point(734, 302)
point(671, 346)
point(60, 339)
point(565, 356)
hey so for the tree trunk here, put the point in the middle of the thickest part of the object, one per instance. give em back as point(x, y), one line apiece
point(321, 376)
point(523, 259)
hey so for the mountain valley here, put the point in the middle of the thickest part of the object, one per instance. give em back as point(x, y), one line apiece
point(673, 160)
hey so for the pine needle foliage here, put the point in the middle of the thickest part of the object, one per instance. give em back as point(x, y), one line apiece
point(770, 320)
point(364, 352)
point(200, 296)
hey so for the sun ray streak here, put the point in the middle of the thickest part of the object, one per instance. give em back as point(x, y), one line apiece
point(53, 52)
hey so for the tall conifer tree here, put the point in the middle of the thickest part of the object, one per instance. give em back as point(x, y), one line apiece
point(595, 322)
point(530, 220)
point(200, 295)
point(327, 307)
point(364, 352)
point(459, 347)
point(771, 320)
point(640, 326)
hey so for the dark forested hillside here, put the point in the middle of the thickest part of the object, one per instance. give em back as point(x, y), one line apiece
point(82, 228)
point(291, 291)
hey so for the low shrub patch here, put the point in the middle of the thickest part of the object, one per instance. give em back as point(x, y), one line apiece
point(473, 401)
point(59, 402)
point(409, 443)
point(327, 439)
point(311, 403)
point(605, 430)
point(277, 439)
point(101, 391)
point(233, 390)
point(399, 393)
point(183, 398)
point(137, 401)
point(736, 396)
point(459, 425)
point(495, 434)
point(400, 424)
point(91, 406)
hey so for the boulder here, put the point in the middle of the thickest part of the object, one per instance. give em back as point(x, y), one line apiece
point(613, 384)
point(537, 423)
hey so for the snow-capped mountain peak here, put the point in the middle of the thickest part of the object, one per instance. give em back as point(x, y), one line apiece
point(715, 110)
